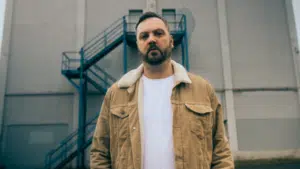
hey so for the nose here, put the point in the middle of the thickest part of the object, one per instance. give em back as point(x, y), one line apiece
point(152, 43)
point(151, 39)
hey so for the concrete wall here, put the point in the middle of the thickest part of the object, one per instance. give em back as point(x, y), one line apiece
point(262, 57)
point(267, 120)
point(204, 38)
point(38, 101)
point(38, 109)
point(27, 145)
point(41, 30)
point(260, 45)
point(40, 106)
point(33, 126)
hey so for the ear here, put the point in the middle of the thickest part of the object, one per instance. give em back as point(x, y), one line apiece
point(171, 41)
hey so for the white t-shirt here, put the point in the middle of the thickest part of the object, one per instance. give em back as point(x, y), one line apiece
point(158, 122)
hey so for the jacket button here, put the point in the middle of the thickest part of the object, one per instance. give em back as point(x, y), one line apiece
point(133, 128)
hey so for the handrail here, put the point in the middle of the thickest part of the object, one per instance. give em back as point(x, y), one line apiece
point(110, 30)
point(101, 46)
point(65, 143)
point(109, 34)
point(103, 37)
point(66, 59)
point(181, 21)
point(74, 133)
point(100, 78)
point(105, 73)
point(104, 43)
point(93, 53)
point(101, 32)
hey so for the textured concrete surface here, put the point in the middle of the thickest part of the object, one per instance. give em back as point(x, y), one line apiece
point(272, 166)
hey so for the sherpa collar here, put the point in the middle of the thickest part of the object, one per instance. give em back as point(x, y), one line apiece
point(132, 76)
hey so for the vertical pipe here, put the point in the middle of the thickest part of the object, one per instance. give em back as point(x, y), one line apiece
point(187, 65)
point(5, 54)
point(292, 13)
point(80, 25)
point(182, 52)
point(85, 91)
point(227, 74)
point(124, 45)
point(80, 140)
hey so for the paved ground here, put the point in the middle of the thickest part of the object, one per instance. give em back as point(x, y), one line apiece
point(276, 166)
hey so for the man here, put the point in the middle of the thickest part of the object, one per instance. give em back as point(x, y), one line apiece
point(159, 116)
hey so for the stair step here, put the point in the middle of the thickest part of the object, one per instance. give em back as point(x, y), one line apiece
point(72, 74)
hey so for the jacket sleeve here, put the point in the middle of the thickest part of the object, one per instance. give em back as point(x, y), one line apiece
point(221, 155)
point(100, 148)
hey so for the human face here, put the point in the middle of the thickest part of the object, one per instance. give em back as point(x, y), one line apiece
point(154, 41)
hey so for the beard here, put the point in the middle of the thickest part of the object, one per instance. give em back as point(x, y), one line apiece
point(156, 56)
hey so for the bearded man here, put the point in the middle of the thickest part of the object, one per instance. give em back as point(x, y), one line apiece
point(159, 116)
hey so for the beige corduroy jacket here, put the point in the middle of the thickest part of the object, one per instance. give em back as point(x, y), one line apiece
point(198, 129)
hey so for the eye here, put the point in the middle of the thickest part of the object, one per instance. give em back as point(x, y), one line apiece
point(143, 36)
point(159, 32)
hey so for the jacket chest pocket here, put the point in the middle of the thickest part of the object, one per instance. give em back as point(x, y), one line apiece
point(200, 119)
point(120, 121)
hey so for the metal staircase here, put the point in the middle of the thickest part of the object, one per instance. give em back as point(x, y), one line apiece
point(80, 68)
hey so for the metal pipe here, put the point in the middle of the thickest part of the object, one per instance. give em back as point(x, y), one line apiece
point(80, 142)
point(182, 53)
point(187, 65)
point(124, 45)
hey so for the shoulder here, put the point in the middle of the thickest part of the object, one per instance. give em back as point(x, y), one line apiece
point(200, 82)
point(197, 78)
point(114, 89)
point(205, 89)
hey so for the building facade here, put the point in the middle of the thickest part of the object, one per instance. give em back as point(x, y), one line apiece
point(247, 49)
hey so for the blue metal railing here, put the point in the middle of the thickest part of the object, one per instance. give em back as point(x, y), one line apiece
point(68, 146)
point(104, 79)
point(101, 41)
point(70, 60)
point(73, 60)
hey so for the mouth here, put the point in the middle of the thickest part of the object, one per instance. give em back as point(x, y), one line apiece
point(153, 52)
point(153, 49)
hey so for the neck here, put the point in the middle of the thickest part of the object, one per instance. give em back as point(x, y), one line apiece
point(158, 71)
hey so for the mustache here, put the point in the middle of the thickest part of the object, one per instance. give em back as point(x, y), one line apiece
point(153, 47)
